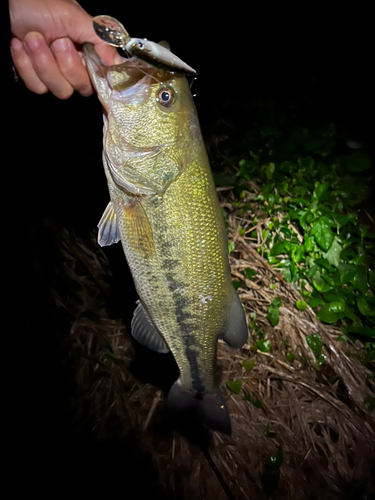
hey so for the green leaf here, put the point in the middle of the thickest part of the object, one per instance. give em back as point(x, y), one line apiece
point(349, 313)
point(270, 168)
point(308, 242)
point(230, 246)
point(235, 386)
point(277, 302)
point(320, 359)
point(290, 356)
point(248, 365)
point(333, 254)
point(357, 162)
point(306, 163)
point(250, 273)
point(237, 284)
point(320, 189)
point(342, 219)
point(278, 248)
point(301, 305)
point(361, 330)
point(241, 231)
point(273, 315)
point(315, 342)
point(337, 306)
point(326, 315)
point(287, 275)
point(341, 338)
point(323, 263)
point(359, 281)
point(256, 402)
point(275, 461)
point(264, 345)
point(320, 284)
point(335, 295)
point(297, 253)
point(364, 307)
point(347, 272)
point(321, 230)
point(316, 301)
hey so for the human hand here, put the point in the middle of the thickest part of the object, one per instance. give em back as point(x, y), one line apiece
point(46, 47)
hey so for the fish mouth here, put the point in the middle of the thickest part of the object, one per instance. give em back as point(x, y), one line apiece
point(112, 80)
point(129, 71)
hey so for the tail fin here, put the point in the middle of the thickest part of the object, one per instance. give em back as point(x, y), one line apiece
point(209, 407)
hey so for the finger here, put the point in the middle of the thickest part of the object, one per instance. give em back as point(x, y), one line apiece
point(71, 67)
point(107, 53)
point(25, 68)
point(45, 65)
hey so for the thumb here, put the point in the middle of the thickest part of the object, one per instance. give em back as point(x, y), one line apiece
point(83, 31)
point(108, 54)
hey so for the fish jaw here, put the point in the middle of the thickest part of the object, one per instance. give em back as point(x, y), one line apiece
point(98, 74)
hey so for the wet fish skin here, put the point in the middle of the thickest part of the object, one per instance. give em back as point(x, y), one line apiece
point(165, 210)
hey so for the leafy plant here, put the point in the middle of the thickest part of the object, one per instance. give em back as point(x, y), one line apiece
point(235, 386)
point(309, 191)
point(273, 311)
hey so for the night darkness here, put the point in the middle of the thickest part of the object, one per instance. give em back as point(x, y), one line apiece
point(54, 173)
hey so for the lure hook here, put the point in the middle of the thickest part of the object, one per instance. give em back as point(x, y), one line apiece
point(158, 55)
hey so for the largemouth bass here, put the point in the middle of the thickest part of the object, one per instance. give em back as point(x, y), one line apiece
point(164, 209)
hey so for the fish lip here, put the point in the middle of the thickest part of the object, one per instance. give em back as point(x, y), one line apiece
point(90, 53)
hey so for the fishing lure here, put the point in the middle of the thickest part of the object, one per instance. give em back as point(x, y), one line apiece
point(113, 32)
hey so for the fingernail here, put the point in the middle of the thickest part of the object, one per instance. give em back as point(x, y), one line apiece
point(16, 44)
point(33, 41)
point(60, 44)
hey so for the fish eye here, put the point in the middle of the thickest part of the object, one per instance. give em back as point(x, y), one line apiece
point(165, 97)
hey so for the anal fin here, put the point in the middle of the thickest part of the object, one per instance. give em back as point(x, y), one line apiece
point(145, 333)
point(236, 332)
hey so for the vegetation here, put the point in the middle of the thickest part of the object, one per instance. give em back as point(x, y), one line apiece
point(309, 188)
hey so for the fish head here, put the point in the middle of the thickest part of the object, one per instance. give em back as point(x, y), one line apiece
point(149, 117)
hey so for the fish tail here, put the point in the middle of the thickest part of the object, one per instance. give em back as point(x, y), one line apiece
point(210, 407)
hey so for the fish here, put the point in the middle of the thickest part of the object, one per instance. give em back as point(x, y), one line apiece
point(165, 211)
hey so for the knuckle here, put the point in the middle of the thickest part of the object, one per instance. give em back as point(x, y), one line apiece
point(64, 93)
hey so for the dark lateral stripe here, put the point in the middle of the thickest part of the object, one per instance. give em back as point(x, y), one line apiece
point(183, 315)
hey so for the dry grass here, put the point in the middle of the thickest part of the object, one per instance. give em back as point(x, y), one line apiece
point(316, 416)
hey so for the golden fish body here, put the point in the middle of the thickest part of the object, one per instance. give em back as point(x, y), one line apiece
point(165, 210)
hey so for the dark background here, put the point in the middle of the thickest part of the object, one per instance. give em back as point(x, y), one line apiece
point(245, 56)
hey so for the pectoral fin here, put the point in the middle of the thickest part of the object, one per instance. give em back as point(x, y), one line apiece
point(138, 232)
point(108, 230)
point(236, 333)
point(145, 333)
